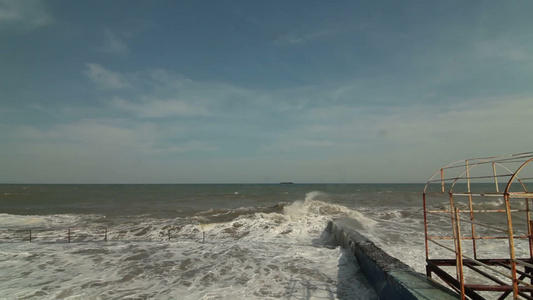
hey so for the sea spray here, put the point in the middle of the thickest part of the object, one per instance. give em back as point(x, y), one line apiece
point(267, 241)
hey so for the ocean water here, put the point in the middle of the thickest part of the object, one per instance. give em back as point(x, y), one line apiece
point(250, 241)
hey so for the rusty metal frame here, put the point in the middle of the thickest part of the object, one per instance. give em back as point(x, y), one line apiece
point(459, 207)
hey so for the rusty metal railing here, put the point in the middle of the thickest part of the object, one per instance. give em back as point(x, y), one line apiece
point(478, 227)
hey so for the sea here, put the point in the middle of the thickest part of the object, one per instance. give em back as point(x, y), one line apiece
point(198, 241)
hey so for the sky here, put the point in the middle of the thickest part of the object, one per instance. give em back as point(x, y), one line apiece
point(260, 91)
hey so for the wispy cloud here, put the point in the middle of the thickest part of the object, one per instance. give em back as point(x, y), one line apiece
point(161, 93)
point(5, 110)
point(105, 78)
point(102, 132)
point(23, 15)
point(489, 126)
point(113, 44)
point(156, 108)
point(332, 120)
point(505, 49)
point(295, 38)
point(106, 136)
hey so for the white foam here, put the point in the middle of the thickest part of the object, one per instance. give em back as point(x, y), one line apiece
point(33, 221)
point(255, 256)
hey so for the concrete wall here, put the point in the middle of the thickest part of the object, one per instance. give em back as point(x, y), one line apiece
point(391, 278)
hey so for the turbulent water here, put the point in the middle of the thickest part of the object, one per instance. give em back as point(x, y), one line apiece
point(197, 241)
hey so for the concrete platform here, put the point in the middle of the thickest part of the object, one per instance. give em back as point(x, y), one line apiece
point(391, 278)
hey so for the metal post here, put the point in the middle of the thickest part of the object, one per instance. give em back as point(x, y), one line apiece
point(442, 180)
point(511, 244)
point(169, 235)
point(105, 235)
point(68, 234)
point(495, 177)
point(30, 235)
point(472, 226)
point(203, 233)
point(467, 175)
point(425, 227)
point(459, 253)
point(529, 229)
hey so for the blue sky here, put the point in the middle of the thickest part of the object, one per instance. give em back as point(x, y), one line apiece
point(259, 91)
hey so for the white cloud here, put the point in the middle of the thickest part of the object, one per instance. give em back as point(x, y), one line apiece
point(155, 108)
point(23, 15)
point(101, 132)
point(113, 44)
point(301, 123)
point(476, 127)
point(504, 49)
point(104, 78)
point(101, 137)
point(299, 38)
point(160, 93)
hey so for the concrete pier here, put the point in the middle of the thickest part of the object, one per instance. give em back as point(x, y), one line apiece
point(390, 278)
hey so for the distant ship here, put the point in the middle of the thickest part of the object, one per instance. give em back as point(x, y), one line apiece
point(286, 182)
